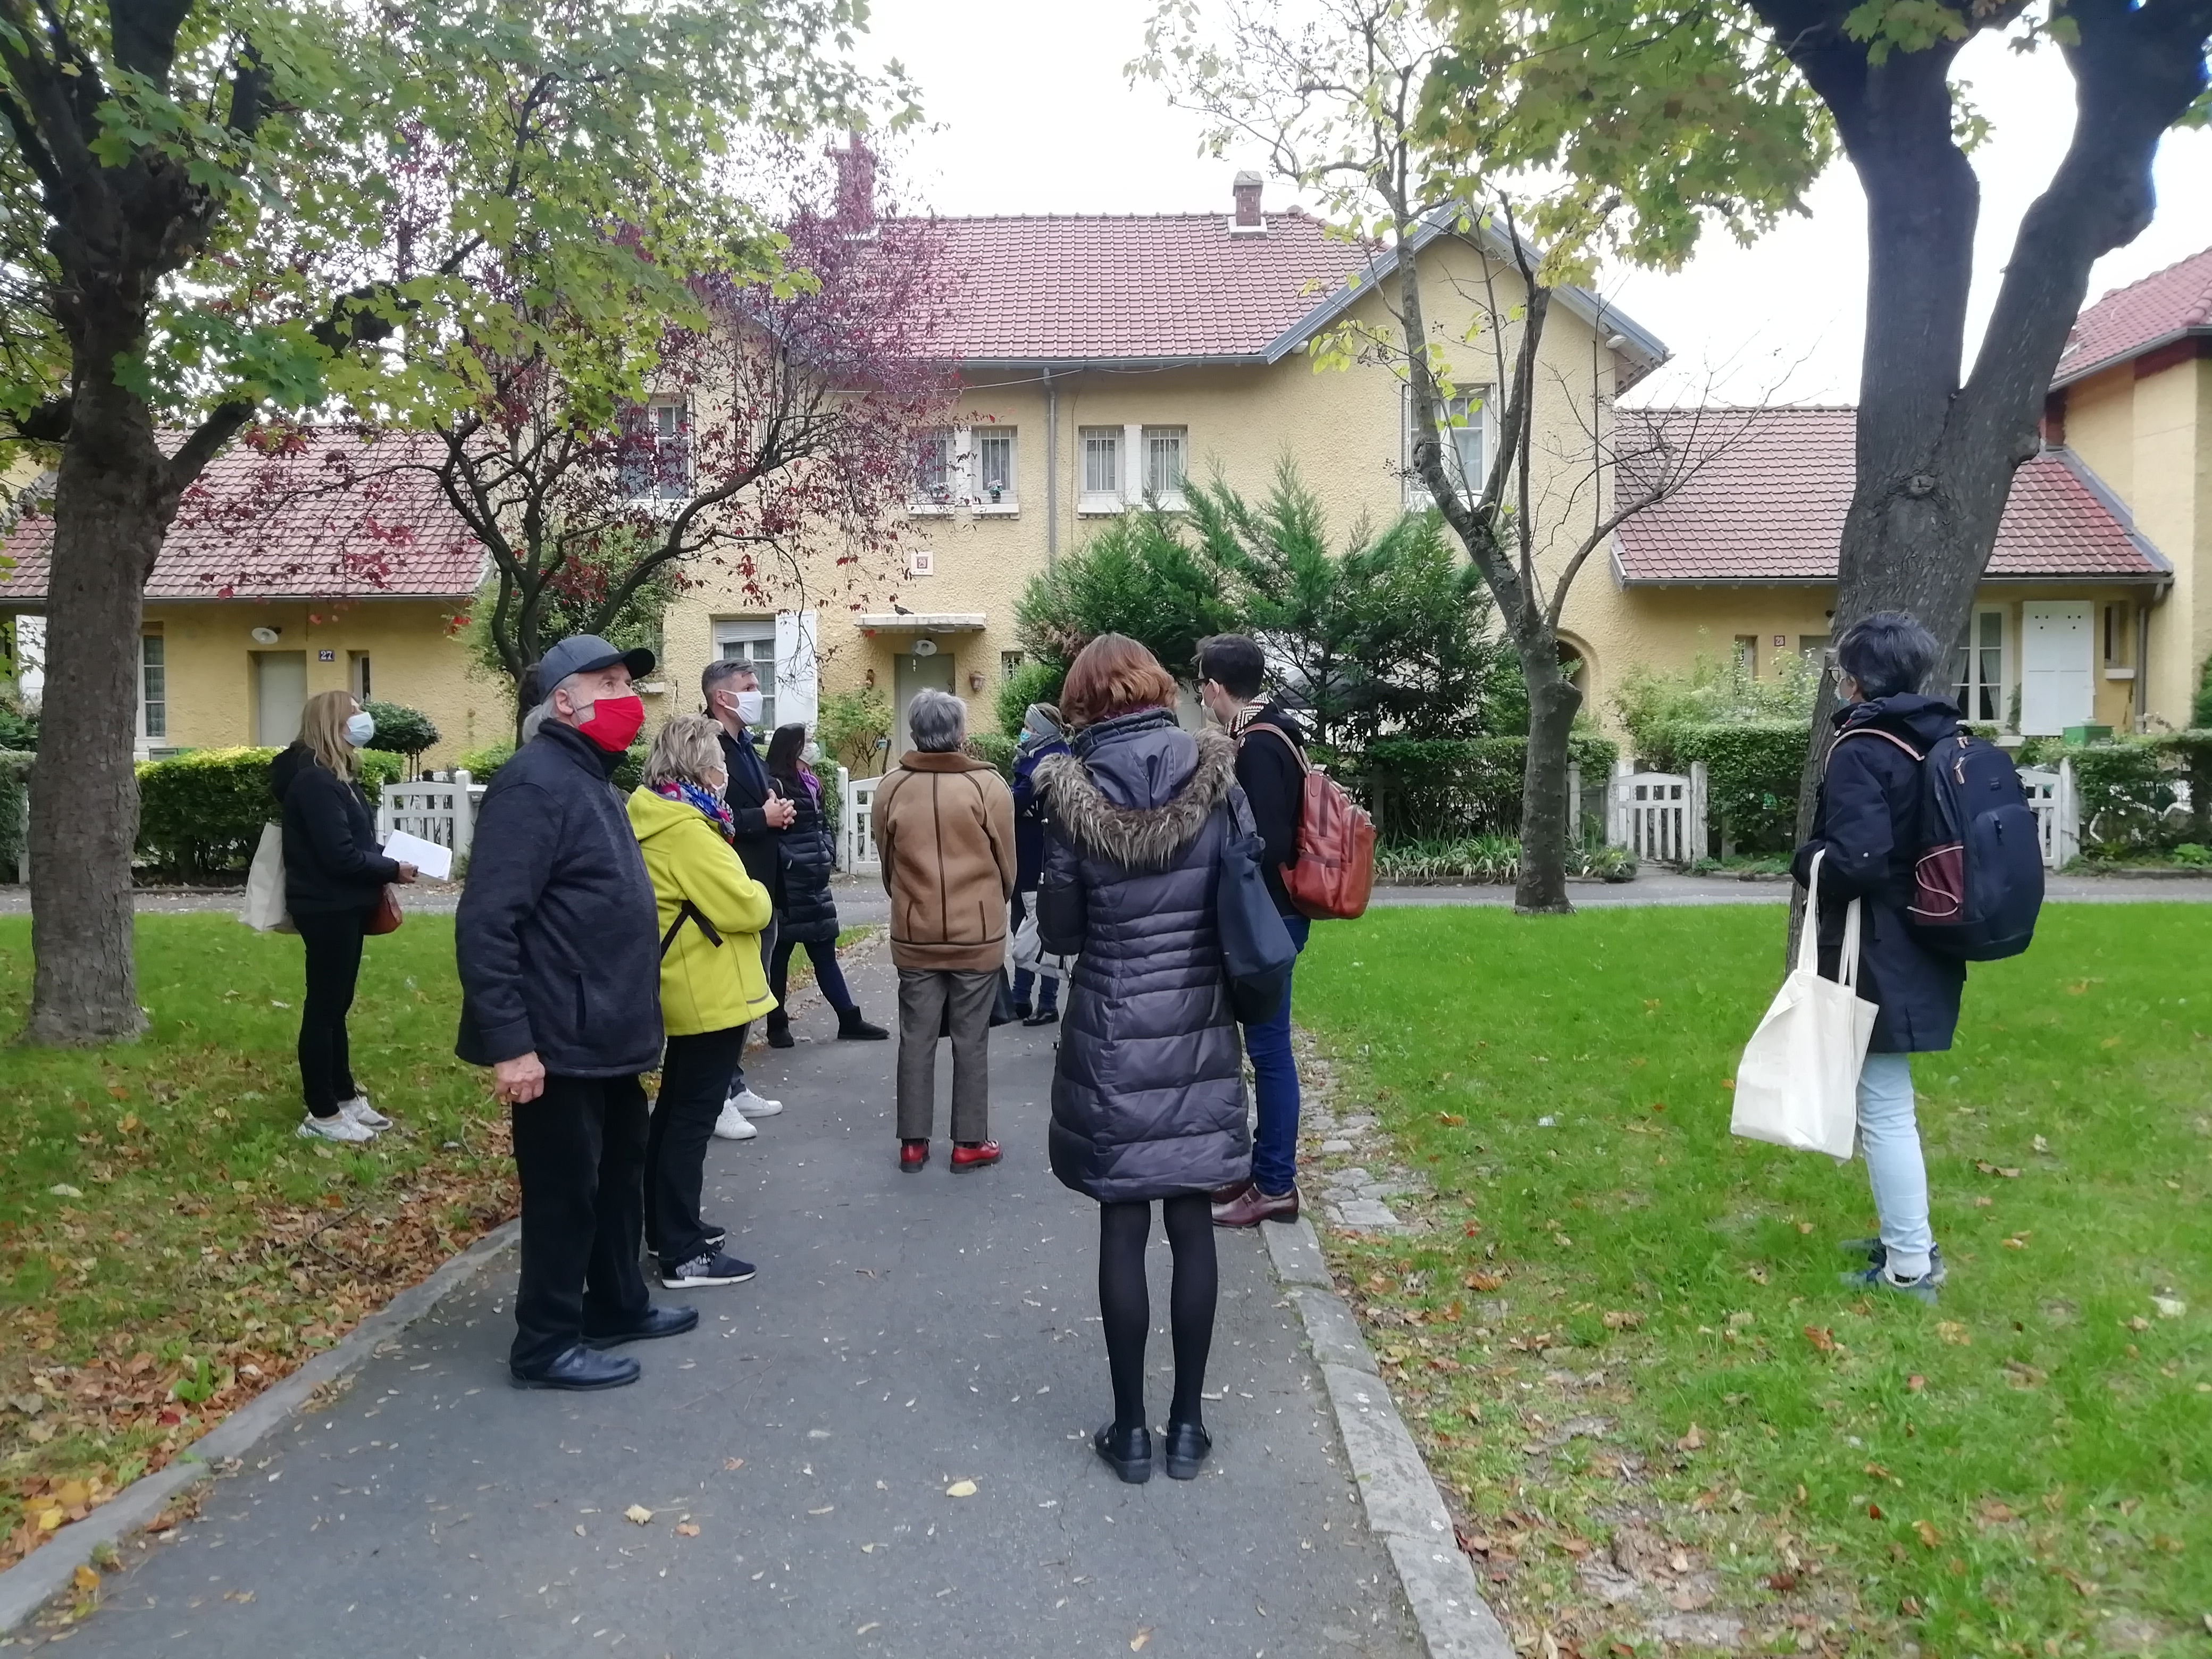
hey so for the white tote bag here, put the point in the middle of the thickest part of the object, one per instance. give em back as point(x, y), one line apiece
point(1797, 1084)
point(265, 910)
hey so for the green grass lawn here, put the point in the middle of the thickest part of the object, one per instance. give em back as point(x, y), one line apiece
point(167, 1245)
point(2025, 1469)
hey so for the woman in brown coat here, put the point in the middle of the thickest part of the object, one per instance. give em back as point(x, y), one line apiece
point(944, 826)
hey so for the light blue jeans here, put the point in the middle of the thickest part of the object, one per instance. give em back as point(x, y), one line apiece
point(1889, 1136)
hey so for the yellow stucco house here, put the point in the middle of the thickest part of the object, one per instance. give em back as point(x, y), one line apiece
point(2096, 607)
point(1103, 360)
point(274, 584)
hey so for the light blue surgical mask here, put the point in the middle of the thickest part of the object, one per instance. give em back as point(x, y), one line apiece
point(360, 728)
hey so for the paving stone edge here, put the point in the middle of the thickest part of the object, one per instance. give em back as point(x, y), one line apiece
point(47, 1571)
point(1399, 1495)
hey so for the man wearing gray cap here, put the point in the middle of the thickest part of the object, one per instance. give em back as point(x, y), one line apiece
point(557, 939)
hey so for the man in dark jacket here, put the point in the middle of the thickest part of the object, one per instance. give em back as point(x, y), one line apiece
point(1271, 770)
point(559, 948)
point(759, 816)
point(1868, 827)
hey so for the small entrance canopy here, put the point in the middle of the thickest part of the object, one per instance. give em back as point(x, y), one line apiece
point(922, 622)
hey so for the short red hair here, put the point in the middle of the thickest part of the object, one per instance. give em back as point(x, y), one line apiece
point(1113, 676)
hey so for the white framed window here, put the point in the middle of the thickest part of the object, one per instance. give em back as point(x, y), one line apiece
point(994, 463)
point(1977, 673)
point(1467, 427)
point(935, 482)
point(153, 688)
point(1101, 447)
point(358, 679)
point(1164, 463)
point(752, 640)
point(655, 454)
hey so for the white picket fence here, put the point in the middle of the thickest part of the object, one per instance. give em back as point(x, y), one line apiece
point(856, 841)
point(2056, 804)
point(440, 808)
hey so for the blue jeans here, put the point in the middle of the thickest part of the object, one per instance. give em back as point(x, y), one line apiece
point(1889, 1136)
point(1275, 1083)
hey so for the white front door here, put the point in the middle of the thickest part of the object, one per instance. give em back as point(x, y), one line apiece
point(280, 692)
point(2058, 666)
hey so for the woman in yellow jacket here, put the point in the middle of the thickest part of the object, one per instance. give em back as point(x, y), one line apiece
point(712, 986)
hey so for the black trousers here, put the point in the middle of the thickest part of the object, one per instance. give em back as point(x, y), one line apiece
point(333, 947)
point(694, 1080)
point(580, 1154)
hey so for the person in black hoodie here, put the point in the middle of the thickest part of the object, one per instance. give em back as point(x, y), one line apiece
point(1270, 768)
point(762, 817)
point(334, 877)
point(1868, 826)
point(809, 918)
point(558, 943)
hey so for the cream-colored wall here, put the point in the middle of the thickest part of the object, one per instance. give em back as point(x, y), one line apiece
point(1342, 426)
point(413, 660)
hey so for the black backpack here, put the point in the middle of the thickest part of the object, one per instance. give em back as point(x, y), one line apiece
point(1978, 881)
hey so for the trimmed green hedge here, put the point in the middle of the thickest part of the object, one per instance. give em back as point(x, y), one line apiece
point(1448, 788)
point(200, 814)
point(2127, 789)
point(1752, 769)
point(14, 792)
point(996, 749)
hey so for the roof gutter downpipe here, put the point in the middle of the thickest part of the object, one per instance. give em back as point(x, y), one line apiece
point(1051, 470)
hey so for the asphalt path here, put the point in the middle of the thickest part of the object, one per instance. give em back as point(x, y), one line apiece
point(803, 1454)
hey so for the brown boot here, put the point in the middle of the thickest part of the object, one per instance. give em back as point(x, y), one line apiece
point(1251, 1206)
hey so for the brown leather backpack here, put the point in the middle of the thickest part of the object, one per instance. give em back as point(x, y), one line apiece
point(1334, 872)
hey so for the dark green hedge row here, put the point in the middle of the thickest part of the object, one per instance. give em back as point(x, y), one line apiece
point(1751, 777)
point(1447, 789)
point(200, 814)
point(14, 792)
point(2127, 788)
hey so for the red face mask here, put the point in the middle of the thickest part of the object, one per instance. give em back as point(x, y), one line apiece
point(614, 722)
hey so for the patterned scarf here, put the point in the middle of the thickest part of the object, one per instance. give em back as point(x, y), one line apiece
point(716, 809)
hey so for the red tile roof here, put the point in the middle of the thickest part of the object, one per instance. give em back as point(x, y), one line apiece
point(338, 519)
point(1165, 285)
point(2163, 306)
point(1769, 507)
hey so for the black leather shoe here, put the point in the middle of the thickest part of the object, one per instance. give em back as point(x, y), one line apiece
point(1128, 1452)
point(1043, 1017)
point(658, 1321)
point(779, 1034)
point(1187, 1446)
point(580, 1370)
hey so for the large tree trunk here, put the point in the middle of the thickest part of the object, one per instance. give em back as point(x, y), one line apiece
point(113, 503)
point(1552, 701)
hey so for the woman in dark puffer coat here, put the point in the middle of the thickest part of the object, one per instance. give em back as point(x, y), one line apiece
point(808, 919)
point(1148, 1097)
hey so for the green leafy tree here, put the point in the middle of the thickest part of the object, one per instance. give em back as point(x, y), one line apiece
point(219, 210)
point(1032, 682)
point(1137, 576)
point(2201, 716)
point(402, 730)
point(1393, 634)
point(855, 726)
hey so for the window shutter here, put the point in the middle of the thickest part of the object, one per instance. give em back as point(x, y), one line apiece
point(798, 690)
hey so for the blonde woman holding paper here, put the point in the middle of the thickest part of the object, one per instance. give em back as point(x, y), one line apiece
point(334, 879)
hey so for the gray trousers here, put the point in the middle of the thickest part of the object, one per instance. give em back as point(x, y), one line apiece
point(767, 950)
point(925, 995)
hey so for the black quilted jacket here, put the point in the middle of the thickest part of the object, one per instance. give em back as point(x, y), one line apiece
point(808, 913)
point(1148, 1097)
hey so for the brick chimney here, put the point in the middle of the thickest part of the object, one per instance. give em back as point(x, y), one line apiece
point(856, 185)
point(1247, 192)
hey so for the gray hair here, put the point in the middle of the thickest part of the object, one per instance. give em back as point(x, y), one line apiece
point(684, 751)
point(723, 668)
point(545, 711)
point(938, 721)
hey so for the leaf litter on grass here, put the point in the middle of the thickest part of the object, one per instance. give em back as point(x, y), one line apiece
point(2047, 1451)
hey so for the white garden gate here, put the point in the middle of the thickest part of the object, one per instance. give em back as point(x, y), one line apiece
point(2056, 804)
point(1659, 815)
point(856, 841)
point(438, 809)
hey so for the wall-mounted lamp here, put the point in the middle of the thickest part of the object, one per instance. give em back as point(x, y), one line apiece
point(975, 680)
point(267, 635)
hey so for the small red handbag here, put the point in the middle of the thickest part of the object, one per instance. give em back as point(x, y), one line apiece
point(386, 918)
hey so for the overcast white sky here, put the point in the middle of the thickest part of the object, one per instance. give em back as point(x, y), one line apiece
point(1034, 116)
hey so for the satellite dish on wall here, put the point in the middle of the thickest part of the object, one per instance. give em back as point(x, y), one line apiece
point(267, 635)
point(924, 648)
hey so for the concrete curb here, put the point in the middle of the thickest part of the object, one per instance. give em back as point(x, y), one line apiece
point(46, 1571)
point(1401, 1498)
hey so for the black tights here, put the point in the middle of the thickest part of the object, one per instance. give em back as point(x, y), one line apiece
point(1126, 1301)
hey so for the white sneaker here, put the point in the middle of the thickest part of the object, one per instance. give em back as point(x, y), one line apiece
point(338, 1127)
point(753, 1105)
point(358, 1110)
point(732, 1125)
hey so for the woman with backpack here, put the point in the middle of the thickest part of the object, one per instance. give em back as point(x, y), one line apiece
point(809, 916)
point(334, 881)
point(1868, 825)
point(1148, 1094)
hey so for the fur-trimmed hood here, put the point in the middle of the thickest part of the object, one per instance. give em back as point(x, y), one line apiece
point(1135, 838)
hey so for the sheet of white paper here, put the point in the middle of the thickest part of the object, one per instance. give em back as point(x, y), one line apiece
point(432, 860)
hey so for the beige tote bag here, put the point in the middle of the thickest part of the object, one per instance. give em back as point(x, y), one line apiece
point(1797, 1084)
point(265, 910)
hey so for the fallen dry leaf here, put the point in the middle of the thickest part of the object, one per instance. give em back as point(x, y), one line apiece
point(85, 1579)
point(1480, 1281)
point(733, 1462)
point(1879, 1473)
point(1821, 1337)
point(639, 1513)
point(1929, 1538)
point(2169, 1307)
point(1995, 1514)
point(825, 1510)
point(686, 1529)
point(1804, 1226)
point(1914, 1384)
point(1140, 1638)
point(1623, 1320)
point(1951, 1331)
point(965, 1489)
point(1691, 1441)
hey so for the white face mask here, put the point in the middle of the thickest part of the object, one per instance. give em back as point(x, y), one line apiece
point(749, 706)
point(360, 728)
